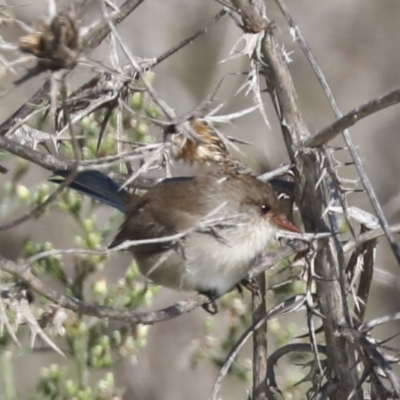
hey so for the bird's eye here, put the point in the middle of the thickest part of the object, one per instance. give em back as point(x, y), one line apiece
point(265, 209)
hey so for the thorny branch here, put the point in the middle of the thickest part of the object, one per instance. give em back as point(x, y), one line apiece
point(346, 134)
point(334, 267)
point(329, 264)
point(291, 305)
point(352, 117)
point(284, 350)
point(332, 302)
point(25, 275)
point(91, 40)
point(260, 344)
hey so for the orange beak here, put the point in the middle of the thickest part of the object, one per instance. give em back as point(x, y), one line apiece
point(281, 221)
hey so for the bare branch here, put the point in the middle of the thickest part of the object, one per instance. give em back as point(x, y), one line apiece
point(281, 309)
point(312, 200)
point(247, 16)
point(260, 341)
point(327, 134)
point(93, 39)
point(346, 135)
point(53, 163)
point(376, 357)
point(367, 326)
point(367, 236)
point(25, 275)
point(190, 39)
point(282, 351)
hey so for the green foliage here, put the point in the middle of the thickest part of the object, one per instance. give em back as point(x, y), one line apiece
point(94, 346)
point(237, 313)
point(55, 384)
point(91, 345)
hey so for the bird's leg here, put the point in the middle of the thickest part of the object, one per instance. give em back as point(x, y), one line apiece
point(252, 286)
point(239, 288)
point(210, 307)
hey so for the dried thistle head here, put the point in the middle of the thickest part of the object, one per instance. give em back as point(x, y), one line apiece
point(56, 44)
point(195, 140)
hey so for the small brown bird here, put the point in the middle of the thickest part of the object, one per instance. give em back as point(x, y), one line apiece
point(225, 221)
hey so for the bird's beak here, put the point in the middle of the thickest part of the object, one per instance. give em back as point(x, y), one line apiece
point(282, 222)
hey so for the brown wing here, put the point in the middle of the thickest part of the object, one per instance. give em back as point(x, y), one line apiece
point(156, 214)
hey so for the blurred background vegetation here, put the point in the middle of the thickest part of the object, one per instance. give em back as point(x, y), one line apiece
point(355, 43)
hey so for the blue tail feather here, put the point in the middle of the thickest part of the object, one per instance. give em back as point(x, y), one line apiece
point(96, 185)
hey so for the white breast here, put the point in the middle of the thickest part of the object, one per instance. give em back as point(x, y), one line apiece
point(212, 264)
